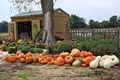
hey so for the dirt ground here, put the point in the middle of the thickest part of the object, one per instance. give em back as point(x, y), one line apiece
point(36, 71)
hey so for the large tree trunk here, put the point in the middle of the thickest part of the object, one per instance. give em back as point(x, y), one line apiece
point(48, 22)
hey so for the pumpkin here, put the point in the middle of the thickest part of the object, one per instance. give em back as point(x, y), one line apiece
point(56, 56)
point(50, 63)
point(22, 60)
point(95, 63)
point(13, 58)
point(43, 61)
point(29, 54)
point(88, 59)
point(64, 54)
point(84, 65)
point(35, 59)
point(76, 63)
point(6, 58)
point(69, 59)
point(29, 60)
point(31, 42)
point(60, 61)
point(20, 56)
point(86, 54)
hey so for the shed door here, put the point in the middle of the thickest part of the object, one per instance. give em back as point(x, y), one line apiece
point(35, 28)
point(12, 30)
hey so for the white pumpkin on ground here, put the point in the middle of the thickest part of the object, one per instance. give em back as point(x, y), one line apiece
point(108, 61)
point(94, 63)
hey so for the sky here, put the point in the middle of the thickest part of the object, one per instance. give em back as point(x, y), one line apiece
point(97, 10)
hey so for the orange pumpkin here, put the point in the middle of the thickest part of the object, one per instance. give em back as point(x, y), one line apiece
point(6, 58)
point(20, 56)
point(49, 58)
point(35, 59)
point(56, 56)
point(44, 61)
point(13, 58)
point(50, 63)
point(31, 42)
point(84, 65)
point(86, 54)
point(29, 54)
point(60, 61)
point(22, 60)
point(29, 60)
point(88, 59)
point(69, 59)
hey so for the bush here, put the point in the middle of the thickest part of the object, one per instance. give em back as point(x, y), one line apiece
point(11, 49)
point(19, 47)
point(31, 50)
point(40, 46)
point(38, 50)
point(25, 49)
point(98, 46)
point(12, 44)
point(64, 46)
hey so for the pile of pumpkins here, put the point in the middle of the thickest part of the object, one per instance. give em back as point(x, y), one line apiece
point(76, 58)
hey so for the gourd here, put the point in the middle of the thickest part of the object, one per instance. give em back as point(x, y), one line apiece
point(69, 59)
point(64, 54)
point(76, 63)
point(94, 63)
point(107, 64)
point(108, 61)
point(74, 51)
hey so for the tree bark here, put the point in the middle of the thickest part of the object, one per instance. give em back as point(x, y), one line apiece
point(48, 22)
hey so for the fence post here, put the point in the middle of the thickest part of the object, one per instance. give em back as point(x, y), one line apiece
point(118, 38)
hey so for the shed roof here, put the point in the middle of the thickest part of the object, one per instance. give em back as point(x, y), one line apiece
point(34, 13)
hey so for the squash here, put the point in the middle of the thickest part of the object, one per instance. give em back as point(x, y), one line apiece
point(13, 59)
point(64, 54)
point(69, 59)
point(95, 63)
point(22, 60)
point(108, 61)
point(88, 59)
point(76, 63)
point(29, 60)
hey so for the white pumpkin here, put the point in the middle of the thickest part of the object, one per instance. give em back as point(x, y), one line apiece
point(94, 63)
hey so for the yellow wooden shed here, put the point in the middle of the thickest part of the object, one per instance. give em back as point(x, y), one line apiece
point(29, 20)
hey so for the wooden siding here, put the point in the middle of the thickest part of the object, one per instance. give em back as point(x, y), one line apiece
point(61, 28)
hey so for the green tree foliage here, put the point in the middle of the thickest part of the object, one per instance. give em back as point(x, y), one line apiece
point(94, 24)
point(3, 26)
point(113, 21)
point(77, 22)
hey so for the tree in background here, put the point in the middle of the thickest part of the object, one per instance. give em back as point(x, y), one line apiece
point(3, 26)
point(94, 24)
point(77, 22)
point(48, 15)
point(113, 21)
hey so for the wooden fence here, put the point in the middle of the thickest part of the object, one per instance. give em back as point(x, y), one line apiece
point(113, 33)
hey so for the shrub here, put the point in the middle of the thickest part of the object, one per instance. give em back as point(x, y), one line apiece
point(38, 50)
point(64, 46)
point(25, 49)
point(19, 47)
point(12, 44)
point(40, 46)
point(11, 49)
point(98, 46)
point(31, 50)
